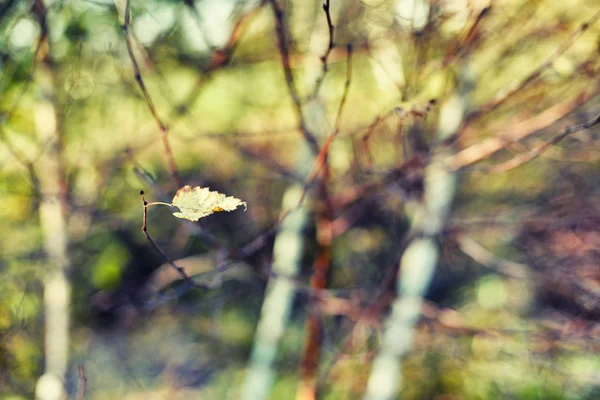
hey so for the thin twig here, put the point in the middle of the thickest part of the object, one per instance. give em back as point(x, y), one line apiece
point(325, 56)
point(164, 131)
point(14, 152)
point(536, 152)
point(289, 77)
point(168, 259)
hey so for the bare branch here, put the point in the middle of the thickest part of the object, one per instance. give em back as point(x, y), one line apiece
point(164, 131)
point(484, 149)
point(502, 97)
point(330, 47)
point(536, 152)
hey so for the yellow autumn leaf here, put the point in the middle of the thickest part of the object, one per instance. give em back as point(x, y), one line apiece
point(196, 202)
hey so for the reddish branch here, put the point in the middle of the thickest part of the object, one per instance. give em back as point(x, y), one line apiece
point(164, 131)
point(536, 152)
point(307, 390)
point(486, 148)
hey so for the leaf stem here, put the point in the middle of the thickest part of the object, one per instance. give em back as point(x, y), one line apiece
point(159, 203)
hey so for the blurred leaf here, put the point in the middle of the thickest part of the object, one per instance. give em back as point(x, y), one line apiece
point(108, 269)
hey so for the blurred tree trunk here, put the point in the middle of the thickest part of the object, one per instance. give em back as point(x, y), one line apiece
point(52, 209)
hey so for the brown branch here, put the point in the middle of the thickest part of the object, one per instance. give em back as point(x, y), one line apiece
point(164, 131)
point(307, 389)
point(289, 77)
point(502, 97)
point(536, 152)
point(81, 382)
point(484, 149)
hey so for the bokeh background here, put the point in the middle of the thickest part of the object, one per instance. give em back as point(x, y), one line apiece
point(512, 310)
